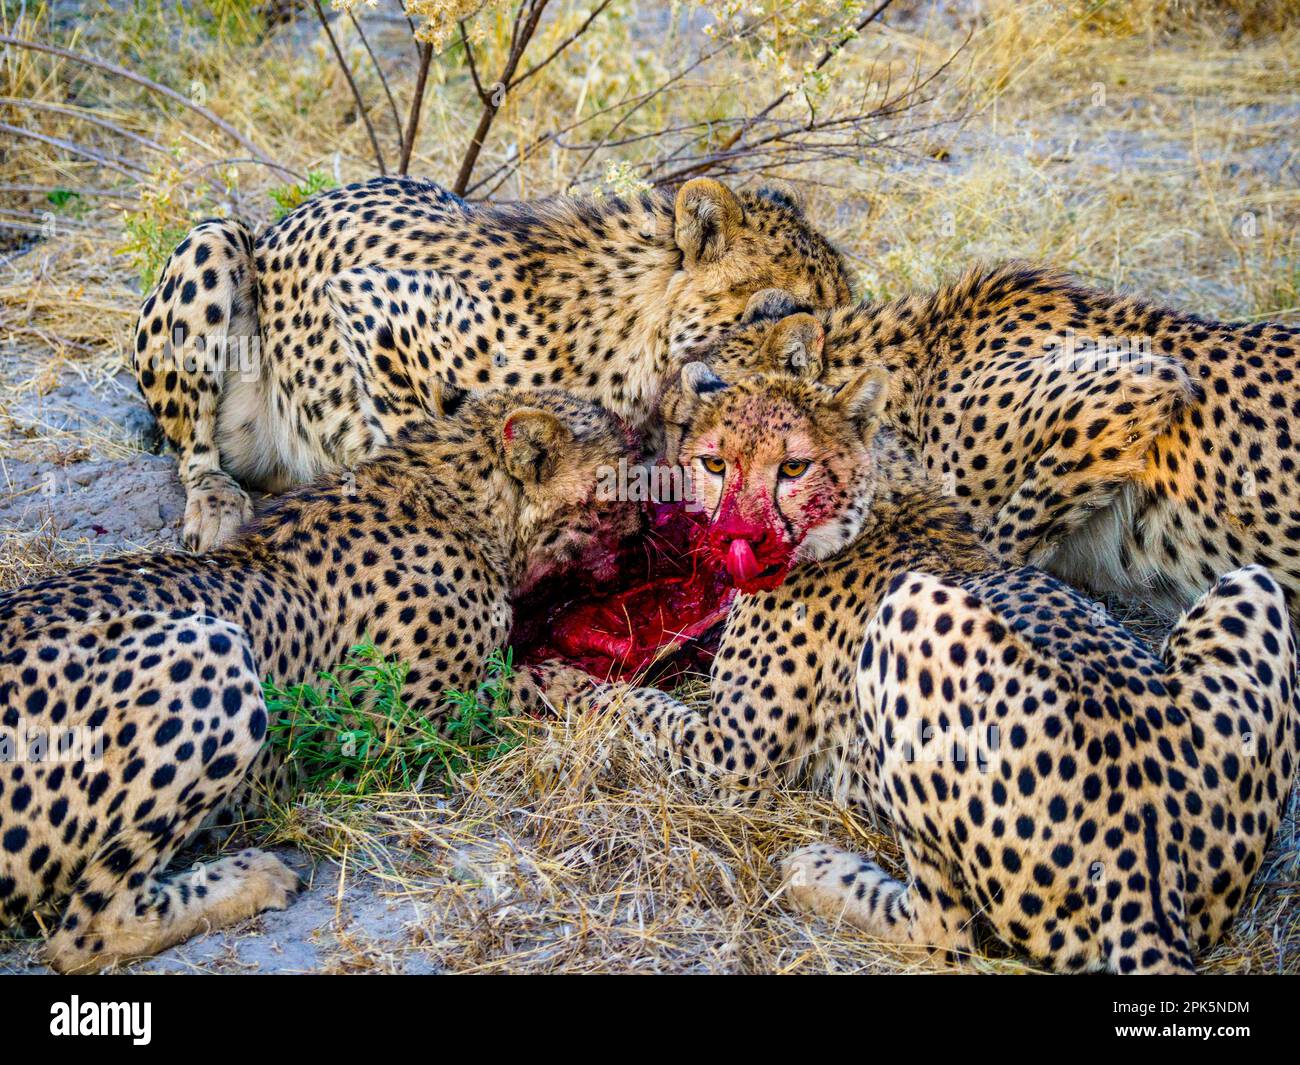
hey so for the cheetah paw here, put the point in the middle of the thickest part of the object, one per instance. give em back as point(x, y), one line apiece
point(817, 878)
point(561, 683)
point(214, 510)
point(269, 883)
point(809, 864)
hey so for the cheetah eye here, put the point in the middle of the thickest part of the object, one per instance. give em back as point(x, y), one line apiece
point(794, 468)
point(713, 464)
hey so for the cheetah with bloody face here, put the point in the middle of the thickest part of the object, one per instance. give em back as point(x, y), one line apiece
point(1147, 469)
point(269, 361)
point(161, 656)
point(1097, 806)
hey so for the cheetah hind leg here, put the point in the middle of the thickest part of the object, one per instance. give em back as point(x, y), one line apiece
point(1233, 655)
point(407, 346)
point(838, 886)
point(164, 910)
point(123, 905)
point(199, 320)
point(270, 783)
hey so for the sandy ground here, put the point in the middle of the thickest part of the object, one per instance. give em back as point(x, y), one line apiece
point(326, 930)
point(96, 490)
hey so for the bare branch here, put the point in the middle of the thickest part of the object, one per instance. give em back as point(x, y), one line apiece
point(40, 220)
point(356, 93)
point(469, 60)
point(523, 33)
point(397, 118)
point(830, 52)
point(212, 164)
point(417, 101)
point(739, 135)
point(561, 46)
point(94, 120)
point(634, 103)
point(138, 79)
point(554, 135)
point(411, 23)
point(123, 166)
point(45, 190)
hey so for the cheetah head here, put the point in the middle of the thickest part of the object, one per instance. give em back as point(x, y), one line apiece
point(564, 454)
point(776, 335)
point(783, 466)
point(734, 246)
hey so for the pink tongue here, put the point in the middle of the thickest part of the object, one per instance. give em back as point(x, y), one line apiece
point(741, 563)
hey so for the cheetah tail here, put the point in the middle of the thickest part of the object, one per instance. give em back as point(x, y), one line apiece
point(199, 321)
point(1233, 657)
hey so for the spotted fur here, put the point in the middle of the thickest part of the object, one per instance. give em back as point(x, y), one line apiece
point(420, 549)
point(1147, 471)
point(268, 361)
point(1101, 807)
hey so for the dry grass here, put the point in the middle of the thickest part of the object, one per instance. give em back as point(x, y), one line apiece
point(1129, 143)
point(29, 556)
point(573, 854)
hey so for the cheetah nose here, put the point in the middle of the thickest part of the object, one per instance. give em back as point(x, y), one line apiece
point(742, 565)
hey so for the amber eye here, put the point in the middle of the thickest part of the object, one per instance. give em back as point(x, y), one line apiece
point(713, 464)
point(792, 468)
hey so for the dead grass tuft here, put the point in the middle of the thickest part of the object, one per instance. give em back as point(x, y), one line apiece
point(27, 556)
point(574, 854)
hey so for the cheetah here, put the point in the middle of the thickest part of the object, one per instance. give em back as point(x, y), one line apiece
point(139, 677)
point(1096, 805)
point(1124, 446)
point(268, 361)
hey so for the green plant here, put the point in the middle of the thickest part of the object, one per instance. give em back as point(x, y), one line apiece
point(476, 717)
point(232, 22)
point(149, 242)
point(67, 201)
point(353, 732)
point(288, 197)
point(159, 222)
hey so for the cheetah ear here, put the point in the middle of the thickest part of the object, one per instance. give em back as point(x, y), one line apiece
point(862, 401)
point(698, 379)
point(533, 441)
point(678, 407)
point(796, 344)
point(771, 305)
point(708, 219)
point(785, 194)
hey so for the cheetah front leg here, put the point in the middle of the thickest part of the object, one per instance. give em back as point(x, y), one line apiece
point(930, 912)
point(707, 748)
point(192, 330)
